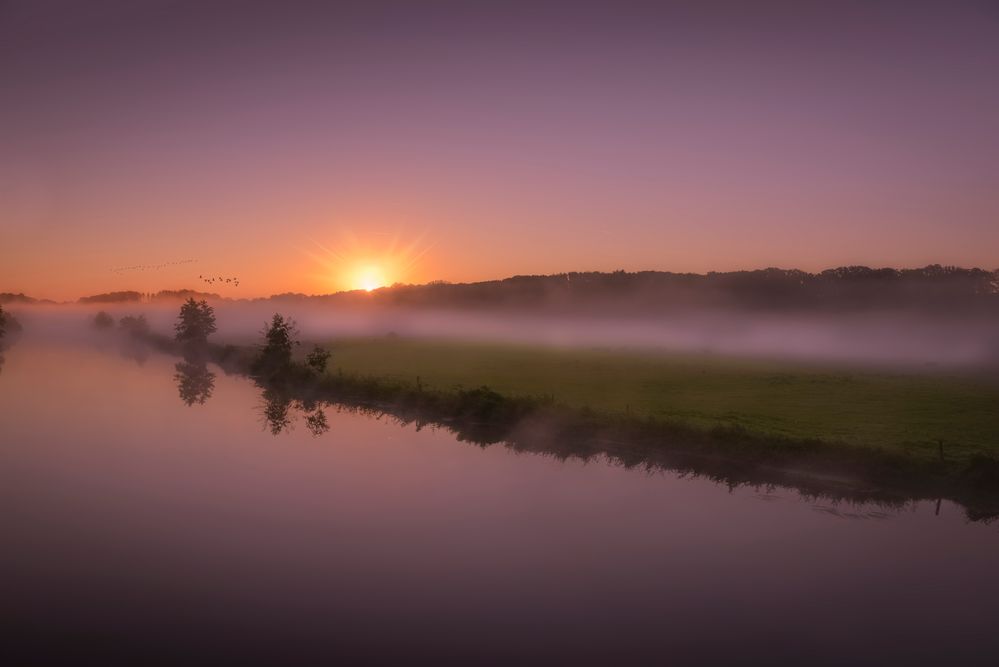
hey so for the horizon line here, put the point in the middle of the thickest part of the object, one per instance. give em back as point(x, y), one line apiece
point(48, 301)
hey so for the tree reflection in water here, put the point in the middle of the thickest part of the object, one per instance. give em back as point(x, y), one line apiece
point(316, 423)
point(195, 382)
point(134, 350)
point(565, 436)
point(278, 412)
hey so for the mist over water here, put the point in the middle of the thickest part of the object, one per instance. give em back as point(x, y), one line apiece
point(903, 337)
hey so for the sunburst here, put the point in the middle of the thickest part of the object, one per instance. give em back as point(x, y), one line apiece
point(367, 263)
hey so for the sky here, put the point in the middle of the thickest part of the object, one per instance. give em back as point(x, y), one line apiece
point(317, 146)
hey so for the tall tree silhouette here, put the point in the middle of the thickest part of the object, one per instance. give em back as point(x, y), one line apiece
point(195, 323)
point(279, 341)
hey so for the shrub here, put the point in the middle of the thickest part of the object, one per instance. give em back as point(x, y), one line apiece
point(103, 321)
point(136, 326)
point(317, 359)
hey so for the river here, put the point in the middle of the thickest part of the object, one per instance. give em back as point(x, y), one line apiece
point(154, 516)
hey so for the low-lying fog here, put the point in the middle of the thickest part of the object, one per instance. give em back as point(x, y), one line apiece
point(861, 337)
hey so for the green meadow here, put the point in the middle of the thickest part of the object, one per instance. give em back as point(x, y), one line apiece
point(904, 411)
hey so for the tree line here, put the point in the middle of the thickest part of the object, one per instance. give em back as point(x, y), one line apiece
point(933, 287)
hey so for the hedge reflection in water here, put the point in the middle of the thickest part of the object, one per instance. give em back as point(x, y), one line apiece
point(283, 405)
point(195, 384)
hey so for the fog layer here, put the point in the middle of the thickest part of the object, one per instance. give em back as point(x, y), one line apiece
point(906, 337)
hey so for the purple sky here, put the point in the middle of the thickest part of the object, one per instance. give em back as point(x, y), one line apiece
point(514, 138)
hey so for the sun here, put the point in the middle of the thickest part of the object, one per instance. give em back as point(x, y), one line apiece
point(370, 278)
point(366, 262)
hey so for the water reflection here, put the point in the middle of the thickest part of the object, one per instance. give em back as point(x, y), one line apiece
point(281, 409)
point(216, 538)
point(195, 382)
point(315, 417)
point(282, 405)
point(278, 411)
point(134, 350)
point(316, 423)
point(7, 338)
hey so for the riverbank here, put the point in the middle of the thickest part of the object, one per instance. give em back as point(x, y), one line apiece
point(908, 412)
point(851, 433)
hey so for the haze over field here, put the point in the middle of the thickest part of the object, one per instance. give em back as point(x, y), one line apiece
point(933, 315)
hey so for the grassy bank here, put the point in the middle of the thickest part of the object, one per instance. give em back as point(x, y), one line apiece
point(577, 403)
point(906, 413)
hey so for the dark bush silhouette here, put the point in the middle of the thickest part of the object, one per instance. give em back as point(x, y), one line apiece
point(136, 326)
point(317, 359)
point(274, 357)
point(9, 327)
point(195, 323)
point(103, 321)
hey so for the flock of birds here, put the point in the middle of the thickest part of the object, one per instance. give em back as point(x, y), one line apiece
point(211, 280)
point(149, 267)
point(208, 280)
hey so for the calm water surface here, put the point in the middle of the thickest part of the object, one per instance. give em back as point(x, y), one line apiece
point(139, 526)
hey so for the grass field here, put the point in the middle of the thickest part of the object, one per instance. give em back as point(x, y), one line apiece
point(895, 410)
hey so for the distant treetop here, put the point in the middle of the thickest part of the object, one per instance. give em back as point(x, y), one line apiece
point(10, 297)
point(113, 297)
